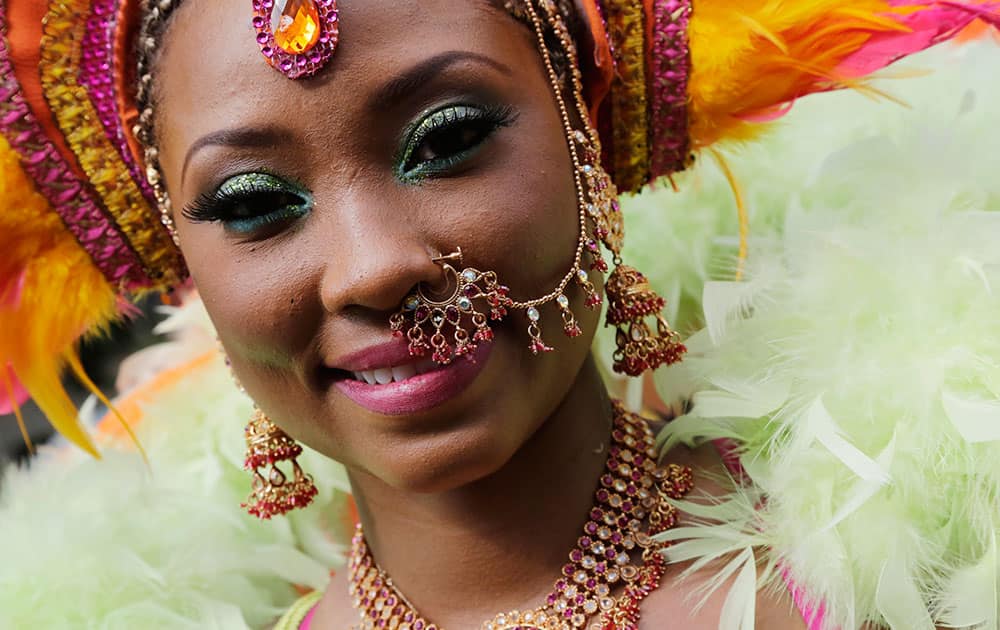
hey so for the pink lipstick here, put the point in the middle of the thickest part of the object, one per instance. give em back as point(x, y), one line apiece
point(387, 381)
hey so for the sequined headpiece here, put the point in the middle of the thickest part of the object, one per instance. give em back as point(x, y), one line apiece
point(81, 194)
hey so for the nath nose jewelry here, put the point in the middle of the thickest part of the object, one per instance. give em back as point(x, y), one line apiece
point(452, 326)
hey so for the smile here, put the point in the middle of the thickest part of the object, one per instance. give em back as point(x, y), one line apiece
point(385, 376)
point(406, 388)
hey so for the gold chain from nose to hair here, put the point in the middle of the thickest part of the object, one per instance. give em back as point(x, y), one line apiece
point(427, 324)
point(632, 505)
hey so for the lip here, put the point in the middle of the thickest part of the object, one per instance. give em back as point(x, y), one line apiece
point(392, 354)
point(417, 394)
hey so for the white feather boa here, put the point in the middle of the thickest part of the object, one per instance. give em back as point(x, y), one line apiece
point(859, 364)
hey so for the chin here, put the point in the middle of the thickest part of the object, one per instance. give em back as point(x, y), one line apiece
point(448, 461)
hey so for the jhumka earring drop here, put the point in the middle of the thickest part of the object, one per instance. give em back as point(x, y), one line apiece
point(272, 493)
point(297, 37)
point(453, 327)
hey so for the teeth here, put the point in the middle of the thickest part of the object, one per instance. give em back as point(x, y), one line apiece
point(400, 374)
point(384, 376)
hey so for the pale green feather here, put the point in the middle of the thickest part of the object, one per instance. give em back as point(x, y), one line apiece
point(114, 544)
point(869, 328)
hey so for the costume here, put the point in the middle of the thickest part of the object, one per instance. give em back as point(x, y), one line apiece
point(726, 378)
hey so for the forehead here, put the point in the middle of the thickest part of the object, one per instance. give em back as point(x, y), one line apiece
point(211, 74)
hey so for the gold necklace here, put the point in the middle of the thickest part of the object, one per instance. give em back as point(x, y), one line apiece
point(632, 505)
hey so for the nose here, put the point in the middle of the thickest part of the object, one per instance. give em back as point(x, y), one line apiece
point(379, 266)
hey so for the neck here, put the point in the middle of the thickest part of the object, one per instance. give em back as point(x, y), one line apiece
point(497, 544)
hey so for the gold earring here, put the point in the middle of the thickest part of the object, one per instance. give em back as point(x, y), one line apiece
point(272, 492)
point(630, 298)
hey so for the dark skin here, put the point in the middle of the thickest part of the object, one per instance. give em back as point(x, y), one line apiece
point(472, 506)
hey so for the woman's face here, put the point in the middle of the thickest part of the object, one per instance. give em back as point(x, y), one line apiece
point(308, 210)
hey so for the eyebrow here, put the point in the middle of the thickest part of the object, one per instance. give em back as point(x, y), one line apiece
point(247, 137)
point(420, 74)
point(394, 90)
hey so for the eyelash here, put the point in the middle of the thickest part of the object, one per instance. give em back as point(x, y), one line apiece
point(278, 201)
point(274, 202)
point(482, 121)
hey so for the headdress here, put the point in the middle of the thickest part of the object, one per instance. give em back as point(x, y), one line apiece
point(80, 197)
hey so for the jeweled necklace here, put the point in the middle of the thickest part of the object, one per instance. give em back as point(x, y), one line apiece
point(632, 505)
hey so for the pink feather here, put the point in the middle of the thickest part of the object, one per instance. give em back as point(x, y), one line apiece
point(20, 394)
point(938, 22)
point(11, 290)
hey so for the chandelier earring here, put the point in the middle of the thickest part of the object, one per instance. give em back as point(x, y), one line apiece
point(272, 492)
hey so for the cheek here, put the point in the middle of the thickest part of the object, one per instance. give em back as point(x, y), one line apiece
point(257, 299)
point(523, 220)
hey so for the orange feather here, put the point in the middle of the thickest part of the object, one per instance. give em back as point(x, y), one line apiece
point(61, 297)
point(751, 59)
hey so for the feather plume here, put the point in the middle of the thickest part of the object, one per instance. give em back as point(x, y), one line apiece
point(858, 364)
point(752, 60)
point(52, 295)
point(164, 545)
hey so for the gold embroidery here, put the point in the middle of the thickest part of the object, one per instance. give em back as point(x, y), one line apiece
point(61, 52)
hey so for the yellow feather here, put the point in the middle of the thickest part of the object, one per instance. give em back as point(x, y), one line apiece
point(65, 296)
point(751, 56)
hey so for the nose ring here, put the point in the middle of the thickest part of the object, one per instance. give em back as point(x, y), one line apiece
point(446, 260)
point(454, 326)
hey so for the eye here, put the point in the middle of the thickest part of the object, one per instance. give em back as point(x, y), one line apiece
point(446, 137)
point(251, 204)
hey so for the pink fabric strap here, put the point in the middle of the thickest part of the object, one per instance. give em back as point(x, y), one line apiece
point(307, 621)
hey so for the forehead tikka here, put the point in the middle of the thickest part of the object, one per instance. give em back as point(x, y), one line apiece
point(297, 37)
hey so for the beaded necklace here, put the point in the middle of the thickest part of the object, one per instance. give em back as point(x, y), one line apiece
point(632, 505)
